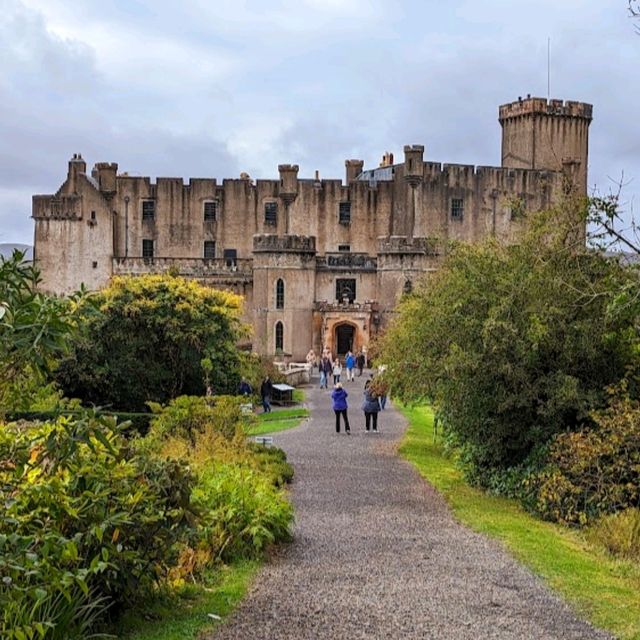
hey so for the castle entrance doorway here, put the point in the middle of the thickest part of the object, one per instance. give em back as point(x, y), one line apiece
point(345, 334)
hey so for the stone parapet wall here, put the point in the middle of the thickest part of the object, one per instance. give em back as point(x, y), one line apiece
point(268, 243)
point(542, 106)
point(188, 267)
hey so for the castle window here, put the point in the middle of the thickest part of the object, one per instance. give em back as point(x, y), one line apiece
point(230, 257)
point(209, 249)
point(279, 336)
point(280, 294)
point(148, 209)
point(344, 248)
point(147, 248)
point(93, 215)
point(346, 288)
point(344, 213)
point(457, 208)
point(271, 213)
point(210, 210)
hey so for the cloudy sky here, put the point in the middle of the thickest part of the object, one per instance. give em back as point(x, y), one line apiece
point(209, 88)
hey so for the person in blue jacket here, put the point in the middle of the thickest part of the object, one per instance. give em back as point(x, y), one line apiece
point(339, 397)
point(350, 363)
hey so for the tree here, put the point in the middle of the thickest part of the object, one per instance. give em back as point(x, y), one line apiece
point(34, 328)
point(149, 340)
point(515, 343)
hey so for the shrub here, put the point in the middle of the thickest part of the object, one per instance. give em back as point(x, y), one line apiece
point(149, 340)
point(619, 534)
point(242, 511)
point(82, 516)
point(273, 462)
point(594, 471)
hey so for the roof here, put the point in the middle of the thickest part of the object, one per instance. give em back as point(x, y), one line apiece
point(381, 174)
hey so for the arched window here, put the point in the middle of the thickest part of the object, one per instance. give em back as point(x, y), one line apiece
point(279, 336)
point(280, 294)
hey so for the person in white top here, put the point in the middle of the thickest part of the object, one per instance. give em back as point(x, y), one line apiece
point(337, 371)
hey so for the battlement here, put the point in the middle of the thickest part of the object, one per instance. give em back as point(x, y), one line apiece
point(418, 148)
point(542, 106)
point(404, 245)
point(271, 243)
point(113, 166)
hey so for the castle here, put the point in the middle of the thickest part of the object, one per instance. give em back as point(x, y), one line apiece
point(319, 262)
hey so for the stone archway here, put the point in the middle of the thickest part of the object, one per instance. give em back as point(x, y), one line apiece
point(345, 336)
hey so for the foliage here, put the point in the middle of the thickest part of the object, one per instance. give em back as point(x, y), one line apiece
point(245, 512)
point(34, 330)
point(594, 471)
point(619, 533)
point(514, 344)
point(150, 341)
point(273, 462)
point(85, 523)
point(604, 590)
point(186, 416)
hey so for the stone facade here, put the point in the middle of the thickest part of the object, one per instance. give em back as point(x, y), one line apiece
point(320, 262)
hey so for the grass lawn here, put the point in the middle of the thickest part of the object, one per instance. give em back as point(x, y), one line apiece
point(281, 419)
point(185, 617)
point(604, 590)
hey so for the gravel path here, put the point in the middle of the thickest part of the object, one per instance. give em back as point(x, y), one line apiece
point(377, 553)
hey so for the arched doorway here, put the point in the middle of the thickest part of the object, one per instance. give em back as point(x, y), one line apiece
point(345, 337)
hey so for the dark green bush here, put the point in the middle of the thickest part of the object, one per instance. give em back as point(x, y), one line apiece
point(273, 462)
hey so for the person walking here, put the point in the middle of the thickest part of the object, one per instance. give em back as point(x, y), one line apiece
point(266, 390)
point(339, 397)
point(325, 369)
point(371, 407)
point(360, 362)
point(337, 371)
point(349, 363)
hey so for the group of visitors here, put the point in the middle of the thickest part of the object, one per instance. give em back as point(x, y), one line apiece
point(374, 400)
point(329, 366)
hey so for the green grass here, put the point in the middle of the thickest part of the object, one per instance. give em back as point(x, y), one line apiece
point(185, 617)
point(604, 590)
point(279, 420)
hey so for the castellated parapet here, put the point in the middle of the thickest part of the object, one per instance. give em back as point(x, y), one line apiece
point(313, 257)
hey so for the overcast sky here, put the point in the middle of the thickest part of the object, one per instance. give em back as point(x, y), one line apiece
point(210, 88)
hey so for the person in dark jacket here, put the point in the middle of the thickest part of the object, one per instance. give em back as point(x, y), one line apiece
point(360, 362)
point(339, 397)
point(371, 407)
point(245, 388)
point(266, 390)
point(325, 370)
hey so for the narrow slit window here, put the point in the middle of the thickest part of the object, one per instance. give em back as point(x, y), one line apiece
point(148, 209)
point(279, 336)
point(280, 294)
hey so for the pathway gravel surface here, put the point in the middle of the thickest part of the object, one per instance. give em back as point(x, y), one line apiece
point(377, 554)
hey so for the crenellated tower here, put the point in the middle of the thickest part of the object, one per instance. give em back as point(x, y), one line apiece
point(547, 134)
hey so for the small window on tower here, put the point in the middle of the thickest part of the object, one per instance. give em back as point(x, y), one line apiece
point(147, 248)
point(93, 215)
point(457, 208)
point(344, 213)
point(344, 248)
point(148, 209)
point(271, 213)
point(210, 211)
point(209, 249)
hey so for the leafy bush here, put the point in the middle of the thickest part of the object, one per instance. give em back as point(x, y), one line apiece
point(514, 344)
point(619, 533)
point(242, 511)
point(34, 330)
point(595, 471)
point(149, 341)
point(186, 416)
point(82, 516)
point(273, 462)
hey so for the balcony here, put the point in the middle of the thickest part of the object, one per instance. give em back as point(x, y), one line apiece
point(187, 267)
point(346, 262)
